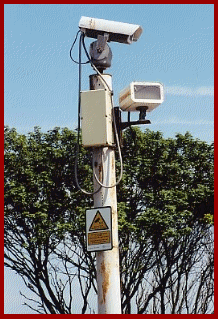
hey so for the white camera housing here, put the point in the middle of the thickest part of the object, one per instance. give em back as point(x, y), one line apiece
point(117, 31)
point(138, 94)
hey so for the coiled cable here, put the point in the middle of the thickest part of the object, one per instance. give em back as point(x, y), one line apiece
point(81, 42)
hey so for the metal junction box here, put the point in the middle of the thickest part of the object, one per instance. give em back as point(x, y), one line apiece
point(96, 118)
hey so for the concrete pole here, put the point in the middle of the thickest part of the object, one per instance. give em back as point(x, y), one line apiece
point(108, 274)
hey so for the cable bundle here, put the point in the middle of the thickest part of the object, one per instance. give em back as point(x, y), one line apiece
point(80, 63)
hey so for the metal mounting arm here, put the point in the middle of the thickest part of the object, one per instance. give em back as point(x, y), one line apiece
point(122, 125)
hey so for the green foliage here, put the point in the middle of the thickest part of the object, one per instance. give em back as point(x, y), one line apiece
point(40, 196)
point(165, 207)
point(167, 185)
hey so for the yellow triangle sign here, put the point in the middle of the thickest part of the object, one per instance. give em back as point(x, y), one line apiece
point(98, 222)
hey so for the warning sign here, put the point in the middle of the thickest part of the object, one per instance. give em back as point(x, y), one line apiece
point(98, 222)
point(99, 229)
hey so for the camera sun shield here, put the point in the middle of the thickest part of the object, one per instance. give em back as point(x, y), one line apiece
point(117, 31)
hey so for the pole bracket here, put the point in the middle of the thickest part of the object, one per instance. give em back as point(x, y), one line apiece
point(123, 125)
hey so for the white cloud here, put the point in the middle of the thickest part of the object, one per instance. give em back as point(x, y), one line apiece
point(186, 91)
point(177, 121)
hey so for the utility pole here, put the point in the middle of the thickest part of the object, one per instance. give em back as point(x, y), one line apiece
point(108, 274)
point(98, 119)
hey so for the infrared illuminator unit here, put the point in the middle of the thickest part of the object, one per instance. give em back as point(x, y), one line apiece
point(139, 95)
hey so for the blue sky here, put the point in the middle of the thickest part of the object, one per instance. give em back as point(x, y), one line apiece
point(176, 48)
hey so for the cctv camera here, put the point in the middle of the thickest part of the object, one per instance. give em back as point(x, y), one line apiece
point(117, 31)
point(138, 95)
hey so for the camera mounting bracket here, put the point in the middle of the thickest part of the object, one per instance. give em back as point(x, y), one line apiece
point(101, 42)
point(101, 54)
point(122, 125)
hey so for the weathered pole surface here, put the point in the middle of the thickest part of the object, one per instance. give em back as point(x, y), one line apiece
point(108, 273)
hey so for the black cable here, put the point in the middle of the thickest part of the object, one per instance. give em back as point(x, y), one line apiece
point(81, 41)
point(72, 49)
point(114, 124)
point(78, 132)
point(94, 67)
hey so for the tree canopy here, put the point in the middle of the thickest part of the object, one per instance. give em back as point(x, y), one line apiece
point(165, 210)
